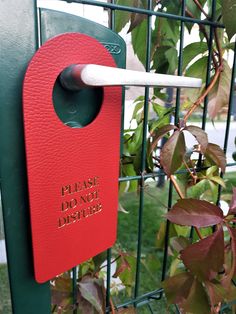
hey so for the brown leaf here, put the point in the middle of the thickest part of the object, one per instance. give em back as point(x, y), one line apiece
point(197, 213)
point(61, 291)
point(179, 243)
point(177, 287)
point(216, 154)
point(219, 97)
point(232, 272)
point(197, 301)
point(172, 153)
point(200, 135)
point(187, 292)
point(205, 258)
point(217, 293)
point(160, 133)
point(91, 295)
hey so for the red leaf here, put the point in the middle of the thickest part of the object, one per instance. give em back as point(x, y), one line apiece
point(197, 213)
point(160, 133)
point(186, 291)
point(200, 135)
point(172, 153)
point(177, 287)
point(122, 267)
point(232, 207)
point(233, 245)
point(216, 154)
point(206, 257)
point(91, 295)
point(227, 279)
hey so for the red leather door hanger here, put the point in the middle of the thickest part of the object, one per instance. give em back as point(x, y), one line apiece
point(72, 172)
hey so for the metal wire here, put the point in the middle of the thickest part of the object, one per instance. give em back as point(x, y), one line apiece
point(144, 299)
point(148, 12)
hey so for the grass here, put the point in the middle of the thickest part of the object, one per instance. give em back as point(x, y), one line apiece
point(155, 203)
point(155, 206)
point(5, 304)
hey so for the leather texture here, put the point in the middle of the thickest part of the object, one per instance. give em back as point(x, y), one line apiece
point(61, 159)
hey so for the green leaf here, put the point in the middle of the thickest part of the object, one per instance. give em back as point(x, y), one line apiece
point(218, 180)
point(172, 57)
point(200, 135)
point(216, 155)
point(121, 17)
point(192, 50)
point(138, 106)
point(229, 12)
point(136, 141)
point(205, 258)
point(176, 267)
point(172, 153)
point(197, 190)
point(197, 213)
point(128, 170)
point(194, 10)
point(128, 275)
point(211, 170)
point(219, 97)
point(91, 295)
point(198, 69)
point(122, 266)
point(136, 18)
point(160, 133)
point(159, 109)
point(138, 38)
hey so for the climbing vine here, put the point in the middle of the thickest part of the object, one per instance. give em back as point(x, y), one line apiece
point(203, 260)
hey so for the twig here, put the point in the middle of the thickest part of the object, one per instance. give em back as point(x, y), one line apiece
point(204, 94)
point(190, 172)
point(198, 233)
point(177, 188)
point(113, 311)
point(113, 261)
point(198, 4)
point(218, 47)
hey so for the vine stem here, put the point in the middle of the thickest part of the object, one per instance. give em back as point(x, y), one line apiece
point(112, 306)
point(177, 188)
point(181, 195)
point(198, 4)
point(204, 94)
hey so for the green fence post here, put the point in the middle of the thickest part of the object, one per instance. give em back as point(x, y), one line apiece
point(18, 39)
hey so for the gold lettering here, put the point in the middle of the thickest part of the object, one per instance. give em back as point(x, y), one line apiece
point(61, 222)
point(65, 206)
point(73, 203)
point(66, 190)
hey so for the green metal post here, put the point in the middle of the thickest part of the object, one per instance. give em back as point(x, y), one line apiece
point(18, 43)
